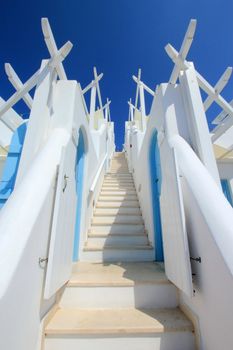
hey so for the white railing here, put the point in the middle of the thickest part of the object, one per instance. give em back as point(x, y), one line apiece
point(214, 207)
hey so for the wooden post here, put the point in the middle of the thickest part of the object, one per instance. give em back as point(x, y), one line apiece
point(92, 106)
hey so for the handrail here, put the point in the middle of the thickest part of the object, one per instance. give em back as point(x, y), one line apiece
point(212, 203)
point(92, 188)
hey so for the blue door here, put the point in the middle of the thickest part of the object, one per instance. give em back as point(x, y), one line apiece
point(155, 177)
point(226, 190)
point(79, 170)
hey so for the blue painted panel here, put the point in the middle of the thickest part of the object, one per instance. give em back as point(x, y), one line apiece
point(10, 170)
point(156, 179)
point(79, 170)
point(227, 191)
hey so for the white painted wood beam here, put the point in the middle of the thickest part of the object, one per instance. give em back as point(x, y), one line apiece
point(35, 79)
point(98, 88)
point(92, 105)
point(204, 85)
point(109, 115)
point(137, 91)
point(185, 47)
point(150, 91)
point(17, 83)
point(129, 115)
point(221, 116)
point(218, 87)
point(89, 86)
point(106, 105)
point(52, 47)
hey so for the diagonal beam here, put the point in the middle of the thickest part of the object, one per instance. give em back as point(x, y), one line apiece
point(204, 85)
point(89, 86)
point(221, 116)
point(17, 83)
point(35, 79)
point(52, 47)
point(150, 91)
point(98, 88)
point(185, 47)
point(218, 87)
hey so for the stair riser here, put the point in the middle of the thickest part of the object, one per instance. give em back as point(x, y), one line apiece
point(119, 219)
point(148, 296)
point(160, 341)
point(112, 255)
point(118, 176)
point(122, 241)
point(118, 198)
point(119, 211)
point(117, 186)
point(125, 204)
point(118, 183)
point(115, 194)
point(118, 229)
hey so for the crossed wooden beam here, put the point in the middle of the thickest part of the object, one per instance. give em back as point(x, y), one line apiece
point(179, 58)
point(57, 56)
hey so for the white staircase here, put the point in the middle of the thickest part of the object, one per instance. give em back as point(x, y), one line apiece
point(117, 297)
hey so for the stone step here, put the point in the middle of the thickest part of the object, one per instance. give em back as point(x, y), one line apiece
point(118, 219)
point(119, 176)
point(118, 193)
point(117, 211)
point(118, 188)
point(125, 329)
point(117, 229)
point(120, 240)
point(122, 285)
point(116, 253)
point(118, 182)
point(113, 198)
point(117, 204)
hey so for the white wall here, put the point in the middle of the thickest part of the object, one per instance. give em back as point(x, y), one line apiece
point(212, 304)
point(213, 282)
point(26, 237)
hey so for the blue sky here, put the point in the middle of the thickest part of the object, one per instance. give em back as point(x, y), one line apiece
point(117, 36)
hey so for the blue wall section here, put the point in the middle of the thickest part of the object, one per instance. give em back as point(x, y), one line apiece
point(7, 182)
point(155, 177)
point(79, 170)
point(227, 191)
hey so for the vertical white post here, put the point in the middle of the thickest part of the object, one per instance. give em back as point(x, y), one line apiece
point(197, 122)
point(142, 104)
point(92, 106)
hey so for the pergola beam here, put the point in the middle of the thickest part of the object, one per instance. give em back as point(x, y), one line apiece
point(89, 86)
point(218, 87)
point(17, 83)
point(204, 85)
point(150, 91)
point(185, 47)
point(137, 91)
point(52, 47)
point(35, 79)
point(98, 88)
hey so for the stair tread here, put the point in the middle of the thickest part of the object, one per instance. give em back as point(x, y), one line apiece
point(117, 274)
point(118, 321)
point(99, 247)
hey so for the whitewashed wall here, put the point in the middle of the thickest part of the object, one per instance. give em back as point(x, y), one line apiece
point(22, 307)
point(211, 307)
